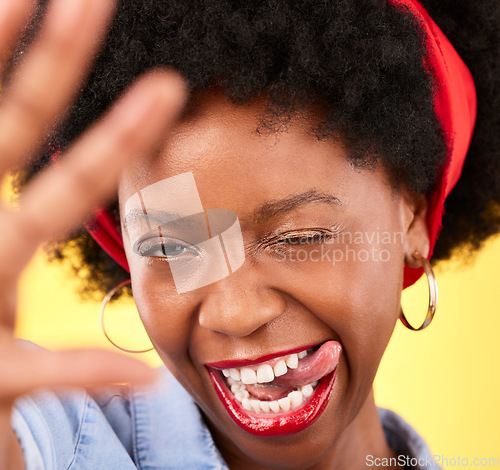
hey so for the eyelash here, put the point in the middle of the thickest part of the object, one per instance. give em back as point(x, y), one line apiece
point(307, 237)
point(144, 247)
point(287, 239)
point(302, 240)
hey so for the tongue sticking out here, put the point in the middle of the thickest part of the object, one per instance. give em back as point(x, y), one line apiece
point(311, 368)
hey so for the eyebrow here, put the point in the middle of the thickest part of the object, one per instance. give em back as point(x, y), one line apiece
point(282, 206)
point(265, 212)
point(161, 217)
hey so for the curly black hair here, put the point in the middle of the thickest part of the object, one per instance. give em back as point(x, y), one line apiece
point(362, 61)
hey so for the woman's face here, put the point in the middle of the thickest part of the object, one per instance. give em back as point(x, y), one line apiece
point(324, 247)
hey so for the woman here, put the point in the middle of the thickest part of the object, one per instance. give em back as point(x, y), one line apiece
point(268, 234)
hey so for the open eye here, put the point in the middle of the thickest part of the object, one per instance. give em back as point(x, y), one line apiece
point(165, 247)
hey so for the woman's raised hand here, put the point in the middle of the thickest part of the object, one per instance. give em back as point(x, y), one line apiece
point(42, 86)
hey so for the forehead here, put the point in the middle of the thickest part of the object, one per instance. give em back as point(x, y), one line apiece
point(239, 168)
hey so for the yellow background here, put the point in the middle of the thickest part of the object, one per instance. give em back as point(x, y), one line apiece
point(445, 380)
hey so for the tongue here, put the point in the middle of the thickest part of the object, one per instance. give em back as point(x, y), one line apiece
point(313, 367)
point(268, 391)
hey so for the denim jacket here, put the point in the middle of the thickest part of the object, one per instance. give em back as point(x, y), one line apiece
point(142, 428)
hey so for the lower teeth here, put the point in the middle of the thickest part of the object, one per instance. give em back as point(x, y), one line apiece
point(293, 400)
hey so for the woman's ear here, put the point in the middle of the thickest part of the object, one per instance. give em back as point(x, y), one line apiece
point(417, 234)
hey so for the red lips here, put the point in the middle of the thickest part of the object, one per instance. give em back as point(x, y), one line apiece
point(246, 362)
point(282, 423)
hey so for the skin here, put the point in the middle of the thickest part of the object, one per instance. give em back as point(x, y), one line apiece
point(291, 304)
point(269, 305)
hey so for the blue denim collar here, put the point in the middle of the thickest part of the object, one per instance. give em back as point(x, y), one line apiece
point(169, 415)
point(169, 431)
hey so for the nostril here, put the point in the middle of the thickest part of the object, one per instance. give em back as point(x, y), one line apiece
point(237, 310)
point(231, 323)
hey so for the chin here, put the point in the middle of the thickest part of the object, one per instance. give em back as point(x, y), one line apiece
point(287, 420)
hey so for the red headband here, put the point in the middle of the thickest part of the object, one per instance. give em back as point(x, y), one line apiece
point(455, 104)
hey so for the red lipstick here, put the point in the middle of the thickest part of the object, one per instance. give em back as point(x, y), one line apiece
point(283, 422)
point(246, 362)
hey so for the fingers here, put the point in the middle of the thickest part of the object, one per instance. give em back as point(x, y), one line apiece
point(50, 72)
point(13, 15)
point(60, 198)
point(24, 370)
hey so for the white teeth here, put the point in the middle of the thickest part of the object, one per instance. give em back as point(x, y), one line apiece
point(265, 374)
point(246, 404)
point(235, 388)
point(241, 395)
point(284, 403)
point(296, 398)
point(307, 390)
point(265, 406)
point(234, 373)
point(280, 368)
point(255, 404)
point(248, 376)
point(292, 361)
point(275, 406)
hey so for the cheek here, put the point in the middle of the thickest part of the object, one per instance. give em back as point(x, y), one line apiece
point(356, 292)
point(166, 317)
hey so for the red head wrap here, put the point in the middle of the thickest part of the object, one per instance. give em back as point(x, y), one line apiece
point(455, 104)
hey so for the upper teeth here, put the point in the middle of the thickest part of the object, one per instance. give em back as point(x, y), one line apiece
point(280, 368)
point(248, 376)
point(264, 373)
point(292, 361)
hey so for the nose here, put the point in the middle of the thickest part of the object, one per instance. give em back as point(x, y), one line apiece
point(239, 304)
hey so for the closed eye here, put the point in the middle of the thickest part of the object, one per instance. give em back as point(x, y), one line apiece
point(306, 237)
point(301, 240)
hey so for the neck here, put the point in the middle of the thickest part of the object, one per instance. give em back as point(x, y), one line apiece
point(363, 437)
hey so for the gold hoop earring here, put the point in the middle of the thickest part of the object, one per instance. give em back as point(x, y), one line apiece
point(106, 299)
point(433, 295)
